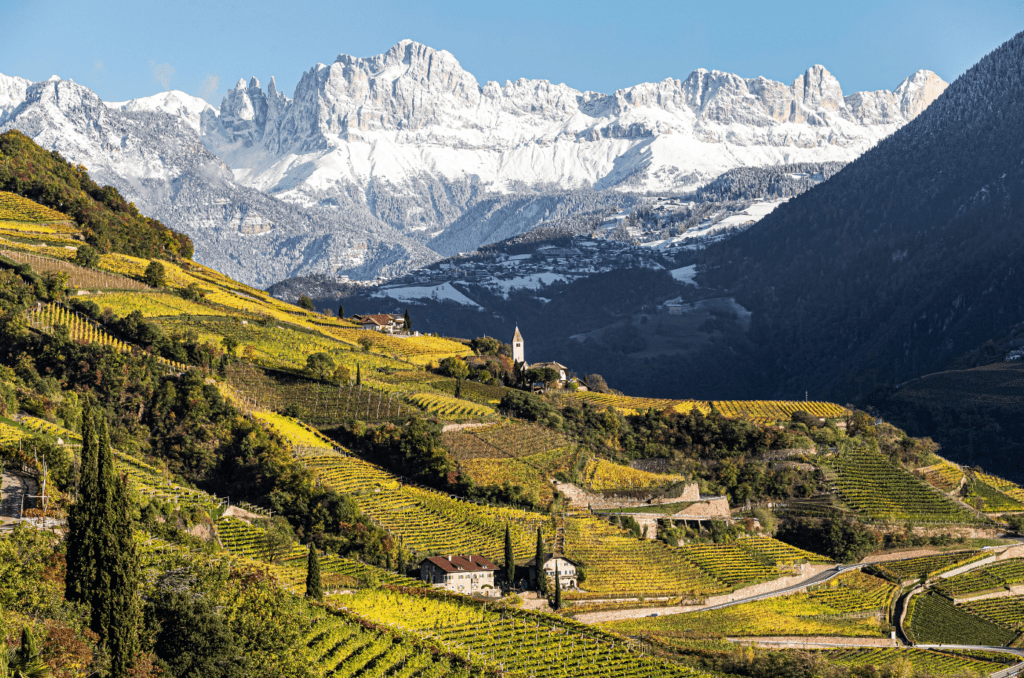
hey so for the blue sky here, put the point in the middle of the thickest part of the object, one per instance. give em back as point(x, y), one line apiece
point(126, 49)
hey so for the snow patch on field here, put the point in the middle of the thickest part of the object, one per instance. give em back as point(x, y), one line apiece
point(686, 274)
point(445, 292)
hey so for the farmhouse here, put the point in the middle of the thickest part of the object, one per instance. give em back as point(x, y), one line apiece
point(462, 574)
point(568, 570)
point(381, 322)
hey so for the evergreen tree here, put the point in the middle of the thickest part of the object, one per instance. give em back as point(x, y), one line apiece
point(341, 310)
point(458, 388)
point(542, 581)
point(314, 587)
point(510, 560)
point(407, 325)
point(81, 538)
point(558, 590)
point(116, 613)
point(359, 375)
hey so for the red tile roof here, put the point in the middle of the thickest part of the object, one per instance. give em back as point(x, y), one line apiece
point(471, 563)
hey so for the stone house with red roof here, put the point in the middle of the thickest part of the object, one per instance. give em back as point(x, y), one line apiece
point(461, 574)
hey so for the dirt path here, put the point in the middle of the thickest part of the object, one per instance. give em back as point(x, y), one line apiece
point(15, 487)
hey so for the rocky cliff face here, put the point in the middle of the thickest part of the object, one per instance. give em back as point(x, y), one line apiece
point(398, 151)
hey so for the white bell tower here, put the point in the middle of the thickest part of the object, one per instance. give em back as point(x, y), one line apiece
point(518, 352)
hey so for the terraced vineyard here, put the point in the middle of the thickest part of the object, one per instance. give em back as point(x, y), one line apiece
point(779, 552)
point(14, 207)
point(988, 578)
point(630, 405)
point(152, 305)
point(603, 475)
point(878, 490)
point(927, 566)
point(321, 404)
point(1005, 486)
point(521, 644)
point(421, 350)
point(851, 607)
point(78, 276)
point(778, 410)
point(450, 408)
point(531, 473)
point(994, 500)
point(927, 661)
point(856, 592)
point(1006, 612)
point(945, 476)
point(933, 619)
point(156, 484)
point(658, 569)
point(343, 648)
point(427, 521)
point(298, 434)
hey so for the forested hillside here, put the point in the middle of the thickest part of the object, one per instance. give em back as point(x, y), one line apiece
point(908, 257)
point(108, 221)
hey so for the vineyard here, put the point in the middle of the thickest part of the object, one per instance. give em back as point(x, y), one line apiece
point(931, 662)
point(421, 350)
point(945, 476)
point(994, 500)
point(988, 578)
point(298, 434)
point(151, 305)
point(1005, 486)
point(522, 644)
point(531, 473)
point(47, 318)
point(321, 404)
point(878, 490)
point(78, 276)
point(765, 411)
point(933, 619)
point(343, 648)
point(630, 406)
point(155, 484)
point(926, 566)
point(427, 521)
point(856, 592)
point(13, 207)
point(656, 568)
point(450, 408)
point(602, 475)
point(852, 607)
point(1006, 612)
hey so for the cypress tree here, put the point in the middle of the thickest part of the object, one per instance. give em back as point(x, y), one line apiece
point(341, 311)
point(510, 560)
point(314, 586)
point(558, 590)
point(82, 529)
point(407, 325)
point(116, 613)
point(458, 388)
point(542, 580)
point(359, 375)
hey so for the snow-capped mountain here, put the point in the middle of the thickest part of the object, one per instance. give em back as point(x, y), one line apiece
point(422, 140)
point(149, 149)
point(377, 165)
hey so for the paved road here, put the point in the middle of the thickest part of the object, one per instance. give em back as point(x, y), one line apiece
point(819, 578)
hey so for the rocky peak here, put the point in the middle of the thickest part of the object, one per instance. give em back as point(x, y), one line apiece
point(243, 112)
point(817, 89)
point(918, 91)
point(12, 93)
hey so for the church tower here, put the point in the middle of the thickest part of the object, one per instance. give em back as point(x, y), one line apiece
point(518, 352)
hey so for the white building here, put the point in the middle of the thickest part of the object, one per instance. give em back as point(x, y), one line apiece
point(461, 574)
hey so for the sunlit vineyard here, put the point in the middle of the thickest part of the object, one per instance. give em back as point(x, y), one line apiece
point(932, 662)
point(656, 568)
point(43, 427)
point(993, 500)
point(14, 207)
point(944, 476)
point(298, 434)
point(532, 473)
point(857, 612)
point(447, 407)
point(879, 490)
point(632, 405)
point(11, 434)
point(421, 350)
point(47, 318)
point(426, 520)
point(152, 305)
point(520, 643)
point(926, 566)
point(778, 410)
point(1011, 490)
point(78, 276)
point(988, 578)
point(603, 475)
point(156, 484)
point(1006, 612)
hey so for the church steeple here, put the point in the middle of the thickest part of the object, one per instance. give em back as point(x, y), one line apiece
point(518, 352)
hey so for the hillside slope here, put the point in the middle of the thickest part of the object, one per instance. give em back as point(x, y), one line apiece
point(909, 256)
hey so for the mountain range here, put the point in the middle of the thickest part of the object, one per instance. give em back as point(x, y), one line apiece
point(376, 166)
